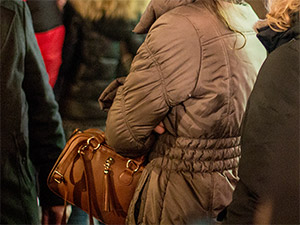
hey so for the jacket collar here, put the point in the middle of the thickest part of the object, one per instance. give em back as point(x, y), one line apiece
point(272, 39)
point(154, 10)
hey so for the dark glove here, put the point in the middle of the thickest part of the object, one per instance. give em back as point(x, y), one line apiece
point(107, 97)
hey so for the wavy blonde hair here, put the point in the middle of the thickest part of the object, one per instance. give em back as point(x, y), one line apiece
point(282, 13)
point(96, 9)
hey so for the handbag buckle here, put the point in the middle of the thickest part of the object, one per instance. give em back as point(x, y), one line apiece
point(131, 163)
point(89, 143)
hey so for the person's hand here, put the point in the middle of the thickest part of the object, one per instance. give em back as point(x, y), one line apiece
point(52, 215)
point(160, 128)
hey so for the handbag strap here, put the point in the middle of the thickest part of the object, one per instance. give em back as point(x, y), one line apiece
point(89, 178)
point(88, 185)
point(88, 175)
point(64, 217)
point(87, 181)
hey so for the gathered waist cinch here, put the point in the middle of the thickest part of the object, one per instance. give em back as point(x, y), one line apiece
point(196, 155)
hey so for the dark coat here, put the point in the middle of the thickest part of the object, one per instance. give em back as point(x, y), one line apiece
point(189, 74)
point(50, 34)
point(269, 168)
point(31, 129)
point(91, 60)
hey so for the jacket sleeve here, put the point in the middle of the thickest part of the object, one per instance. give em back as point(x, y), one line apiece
point(270, 142)
point(70, 55)
point(163, 74)
point(46, 136)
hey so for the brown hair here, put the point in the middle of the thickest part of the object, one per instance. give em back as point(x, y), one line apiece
point(282, 13)
point(96, 9)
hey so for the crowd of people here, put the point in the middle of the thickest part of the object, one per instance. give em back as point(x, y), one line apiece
point(205, 89)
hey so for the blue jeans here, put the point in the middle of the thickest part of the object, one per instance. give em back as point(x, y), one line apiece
point(79, 217)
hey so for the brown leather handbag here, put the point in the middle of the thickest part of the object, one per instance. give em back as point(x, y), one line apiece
point(91, 175)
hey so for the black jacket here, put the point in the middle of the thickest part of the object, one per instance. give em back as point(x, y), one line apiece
point(269, 167)
point(31, 128)
point(45, 15)
point(91, 60)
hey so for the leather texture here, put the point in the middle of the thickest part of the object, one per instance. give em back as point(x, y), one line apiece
point(92, 176)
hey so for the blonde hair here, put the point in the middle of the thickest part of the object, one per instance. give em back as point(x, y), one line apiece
point(215, 7)
point(96, 9)
point(281, 14)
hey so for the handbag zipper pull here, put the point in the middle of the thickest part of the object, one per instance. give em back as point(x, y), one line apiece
point(108, 191)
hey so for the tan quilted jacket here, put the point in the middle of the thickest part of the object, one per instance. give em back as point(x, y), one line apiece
point(189, 74)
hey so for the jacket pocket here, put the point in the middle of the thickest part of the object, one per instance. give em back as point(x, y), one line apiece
point(231, 176)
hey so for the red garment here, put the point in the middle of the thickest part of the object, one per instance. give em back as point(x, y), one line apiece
point(50, 43)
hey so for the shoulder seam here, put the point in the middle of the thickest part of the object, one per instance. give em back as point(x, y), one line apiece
point(200, 48)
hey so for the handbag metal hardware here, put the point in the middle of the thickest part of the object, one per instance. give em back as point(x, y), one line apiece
point(130, 162)
point(82, 149)
point(61, 177)
point(89, 143)
point(107, 164)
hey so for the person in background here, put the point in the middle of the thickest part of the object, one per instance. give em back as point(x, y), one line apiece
point(49, 32)
point(268, 190)
point(61, 4)
point(259, 7)
point(32, 135)
point(99, 46)
point(189, 82)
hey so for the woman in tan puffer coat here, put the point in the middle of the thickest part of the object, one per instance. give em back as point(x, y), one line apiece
point(194, 73)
